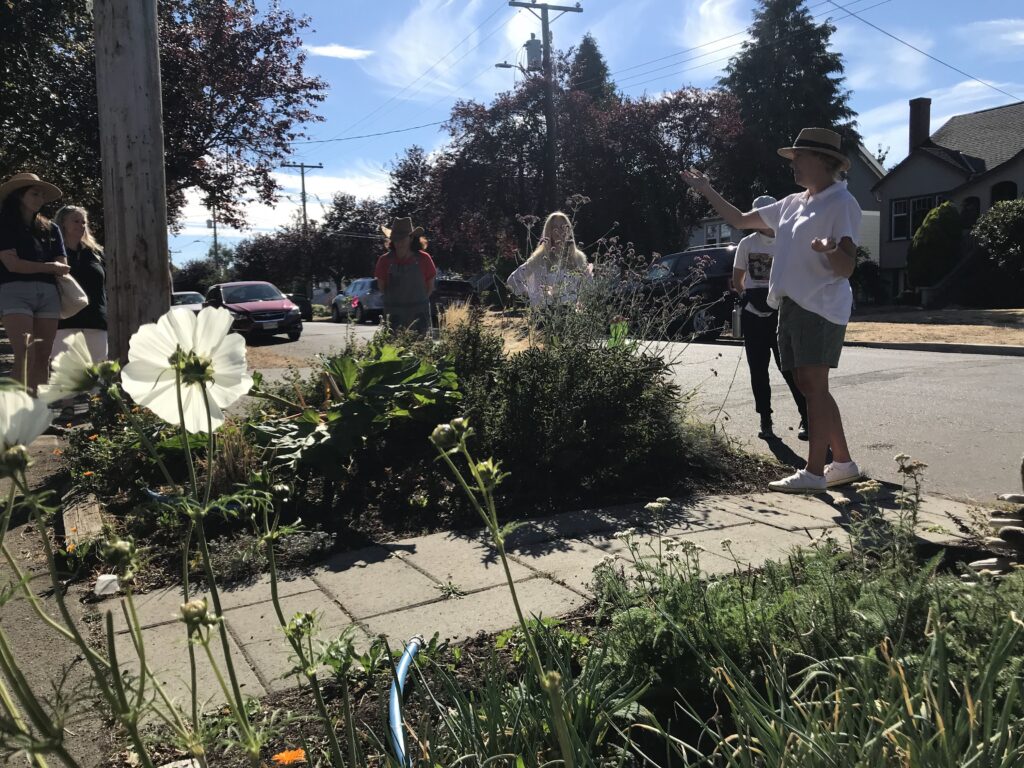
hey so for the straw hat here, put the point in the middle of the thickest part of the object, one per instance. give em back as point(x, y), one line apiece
point(820, 140)
point(19, 180)
point(401, 228)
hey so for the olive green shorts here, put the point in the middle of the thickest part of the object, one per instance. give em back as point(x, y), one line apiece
point(807, 338)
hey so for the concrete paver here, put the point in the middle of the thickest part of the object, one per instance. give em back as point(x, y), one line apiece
point(372, 581)
point(488, 611)
point(570, 561)
point(469, 564)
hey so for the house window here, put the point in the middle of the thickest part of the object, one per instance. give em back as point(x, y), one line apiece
point(1004, 190)
point(716, 233)
point(900, 226)
point(908, 214)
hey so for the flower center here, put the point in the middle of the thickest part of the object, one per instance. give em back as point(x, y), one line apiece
point(194, 369)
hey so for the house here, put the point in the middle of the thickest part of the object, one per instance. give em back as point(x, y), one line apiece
point(865, 172)
point(973, 160)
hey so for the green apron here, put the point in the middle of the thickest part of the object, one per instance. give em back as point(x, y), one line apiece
point(406, 302)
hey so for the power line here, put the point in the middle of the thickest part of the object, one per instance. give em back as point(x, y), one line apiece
point(925, 53)
point(371, 135)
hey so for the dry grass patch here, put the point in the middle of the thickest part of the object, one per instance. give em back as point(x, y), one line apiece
point(514, 329)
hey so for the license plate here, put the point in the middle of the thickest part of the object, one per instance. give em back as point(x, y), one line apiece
point(269, 326)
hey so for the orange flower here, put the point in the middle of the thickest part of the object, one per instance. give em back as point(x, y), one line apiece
point(93, 437)
point(58, 452)
point(290, 757)
point(88, 474)
point(70, 547)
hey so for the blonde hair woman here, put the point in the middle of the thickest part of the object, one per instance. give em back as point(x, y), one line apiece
point(553, 273)
point(85, 257)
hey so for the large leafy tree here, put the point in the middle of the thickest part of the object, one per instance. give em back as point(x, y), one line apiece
point(785, 78)
point(235, 94)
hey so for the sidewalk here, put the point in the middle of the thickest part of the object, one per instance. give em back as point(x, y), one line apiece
point(454, 584)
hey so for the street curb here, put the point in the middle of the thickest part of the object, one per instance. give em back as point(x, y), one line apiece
point(963, 349)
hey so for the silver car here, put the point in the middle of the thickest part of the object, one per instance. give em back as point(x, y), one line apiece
point(362, 301)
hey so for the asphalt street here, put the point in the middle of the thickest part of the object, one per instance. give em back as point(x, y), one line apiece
point(961, 414)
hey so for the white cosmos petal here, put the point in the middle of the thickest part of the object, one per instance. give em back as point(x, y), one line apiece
point(152, 343)
point(181, 327)
point(22, 418)
point(72, 370)
point(212, 327)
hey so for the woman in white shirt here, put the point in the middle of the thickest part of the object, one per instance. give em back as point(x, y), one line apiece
point(815, 254)
point(554, 271)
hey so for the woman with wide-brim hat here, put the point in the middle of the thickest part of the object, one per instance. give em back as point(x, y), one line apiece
point(405, 276)
point(31, 257)
point(816, 235)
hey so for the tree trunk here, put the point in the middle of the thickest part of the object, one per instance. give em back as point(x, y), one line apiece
point(132, 150)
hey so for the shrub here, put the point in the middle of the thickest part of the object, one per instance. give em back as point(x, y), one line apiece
point(1000, 234)
point(936, 246)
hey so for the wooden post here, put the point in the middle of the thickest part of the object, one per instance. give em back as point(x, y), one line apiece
point(132, 147)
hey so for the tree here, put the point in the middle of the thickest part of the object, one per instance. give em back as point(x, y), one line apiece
point(197, 275)
point(234, 95)
point(588, 72)
point(1000, 234)
point(409, 185)
point(935, 247)
point(785, 78)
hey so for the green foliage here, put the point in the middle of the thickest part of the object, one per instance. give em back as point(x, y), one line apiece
point(571, 420)
point(366, 394)
point(1000, 233)
point(588, 71)
point(936, 246)
point(787, 76)
point(866, 279)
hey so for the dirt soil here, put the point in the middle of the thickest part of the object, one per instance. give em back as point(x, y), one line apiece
point(945, 326)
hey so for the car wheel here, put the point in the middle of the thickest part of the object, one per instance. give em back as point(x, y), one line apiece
point(706, 325)
point(294, 335)
point(335, 314)
point(360, 315)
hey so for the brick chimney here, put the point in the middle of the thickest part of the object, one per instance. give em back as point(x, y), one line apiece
point(920, 121)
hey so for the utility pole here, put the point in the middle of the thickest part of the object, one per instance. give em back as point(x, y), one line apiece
point(550, 143)
point(305, 224)
point(132, 147)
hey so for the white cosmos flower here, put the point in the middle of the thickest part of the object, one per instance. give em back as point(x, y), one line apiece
point(209, 359)
point(22, 418)
point(74, 371)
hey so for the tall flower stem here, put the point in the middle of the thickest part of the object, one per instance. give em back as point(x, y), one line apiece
point(144, 438)
point(30, 704)
point(306, 663)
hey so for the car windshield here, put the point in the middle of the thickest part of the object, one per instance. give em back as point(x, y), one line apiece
point(186, 298)
point(658, 271)
point(239, 294)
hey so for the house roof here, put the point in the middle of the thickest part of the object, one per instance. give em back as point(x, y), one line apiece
point(976, 142)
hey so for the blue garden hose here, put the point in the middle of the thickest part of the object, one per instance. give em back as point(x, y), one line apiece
point(395, 704)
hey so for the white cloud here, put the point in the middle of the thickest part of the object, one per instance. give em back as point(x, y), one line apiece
point(887, 124)
point(871, 59)
point(363, 180)
point(705, 21)
point(999, 38)
point(336, 51)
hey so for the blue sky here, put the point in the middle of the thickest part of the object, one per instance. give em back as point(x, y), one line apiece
point(383, 63)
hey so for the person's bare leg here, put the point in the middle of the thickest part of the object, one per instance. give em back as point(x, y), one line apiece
point(43, 332)
point(825, 425)
point(19, 328)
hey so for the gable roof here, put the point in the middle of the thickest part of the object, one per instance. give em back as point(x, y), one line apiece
point(976, 142)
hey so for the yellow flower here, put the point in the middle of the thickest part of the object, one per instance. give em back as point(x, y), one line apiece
point(290, 757)
point(70, 548)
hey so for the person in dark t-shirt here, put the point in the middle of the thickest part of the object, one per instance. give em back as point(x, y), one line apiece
point(31, 257)
point(85, 257)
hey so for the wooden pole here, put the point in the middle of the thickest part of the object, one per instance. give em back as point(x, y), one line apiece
point(132, 147)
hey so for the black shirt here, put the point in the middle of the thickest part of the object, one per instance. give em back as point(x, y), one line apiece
point(87, 268)
point(30, 246)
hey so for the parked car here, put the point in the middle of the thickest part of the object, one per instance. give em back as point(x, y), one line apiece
point(448, 291)
point(362, 300)
point(699, 280)
point(257, 308)
point(192, 300)
point(305, 305)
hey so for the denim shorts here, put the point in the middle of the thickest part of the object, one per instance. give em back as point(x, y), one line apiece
point(29, 297)
point(806, 338)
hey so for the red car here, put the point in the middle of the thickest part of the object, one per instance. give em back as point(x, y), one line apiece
point(258, 308)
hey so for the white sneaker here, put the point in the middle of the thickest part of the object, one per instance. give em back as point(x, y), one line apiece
point(801, 481)
point(841, 473)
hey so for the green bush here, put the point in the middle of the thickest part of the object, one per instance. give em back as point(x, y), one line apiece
point(936, 246)
point(1000, 234)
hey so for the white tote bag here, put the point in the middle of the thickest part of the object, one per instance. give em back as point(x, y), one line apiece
point(72, 298)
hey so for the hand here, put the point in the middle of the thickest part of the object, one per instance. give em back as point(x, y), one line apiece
point(823, 245)
point(58, 268)
point(699, 182)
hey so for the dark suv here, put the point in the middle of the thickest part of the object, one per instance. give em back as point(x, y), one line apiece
point(699, 280)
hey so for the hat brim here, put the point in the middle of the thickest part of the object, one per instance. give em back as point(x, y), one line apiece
point(415, 233)
point(50, 192)
point(788, 152)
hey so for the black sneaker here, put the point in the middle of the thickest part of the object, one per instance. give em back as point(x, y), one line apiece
point(766, 433)
point(801, 433)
